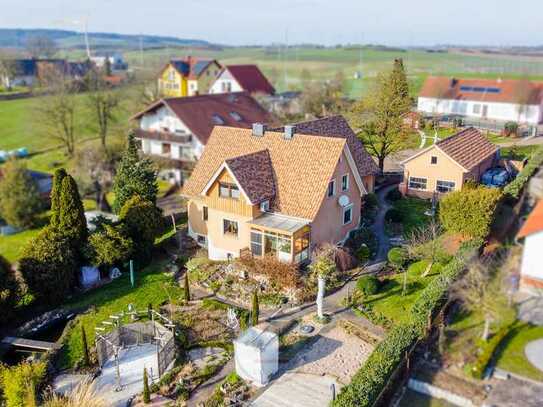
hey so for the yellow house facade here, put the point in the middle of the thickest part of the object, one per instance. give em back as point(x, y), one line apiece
point(187, 77)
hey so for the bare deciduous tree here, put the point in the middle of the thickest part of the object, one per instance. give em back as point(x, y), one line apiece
point(424, 243)
point(41, 47)
point(58, 115)
point(480, 290)
point(103, 105)
point(7, 70)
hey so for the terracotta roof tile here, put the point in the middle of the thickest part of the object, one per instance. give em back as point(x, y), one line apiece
point(484, 90)
point(251, 79)
point(534, 223)
point(302, 166)
point(468, 147)
point(255, 174)
point(337, 126)
point(201, 113)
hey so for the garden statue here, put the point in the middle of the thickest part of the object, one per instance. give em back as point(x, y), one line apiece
point(231, 319)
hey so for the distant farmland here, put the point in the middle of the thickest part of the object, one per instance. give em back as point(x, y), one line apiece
point(285, 69)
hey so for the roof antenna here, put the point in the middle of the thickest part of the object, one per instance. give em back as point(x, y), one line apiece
point(87, 45)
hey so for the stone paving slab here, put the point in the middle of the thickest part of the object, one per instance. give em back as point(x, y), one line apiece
point(534, 353)
point(514, 393)
point(65, 383)
point(298, 390)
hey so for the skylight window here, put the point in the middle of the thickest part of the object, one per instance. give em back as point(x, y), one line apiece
point(217, 119)
point(236, 116)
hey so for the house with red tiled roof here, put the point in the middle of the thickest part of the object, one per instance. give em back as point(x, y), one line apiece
point(188, 76)
point(242, 78)
point(273, 193)
point(531, 232)
point(448, 164)
point(177, 129)
point(500, 100)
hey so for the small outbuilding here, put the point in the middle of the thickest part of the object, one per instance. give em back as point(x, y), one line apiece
point(257, 355)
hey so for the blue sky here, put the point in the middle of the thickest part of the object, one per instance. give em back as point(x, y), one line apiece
point(393, 22)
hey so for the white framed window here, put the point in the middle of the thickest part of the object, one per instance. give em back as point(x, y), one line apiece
point(433, 160)
point(348, 214)
point(205, 213)
point(230, 227)
point(417, 183)
point(331, 188)
point(445, 186)
point(345, 182)
point(476, 108)
point(228, 190)
point(256, 242)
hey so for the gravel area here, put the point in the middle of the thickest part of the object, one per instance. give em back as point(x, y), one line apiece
point(334, 353)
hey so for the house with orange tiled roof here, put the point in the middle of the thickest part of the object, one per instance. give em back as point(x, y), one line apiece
point(531, 233)
point(448, 164)
point(280, 193)
point(188, 76)
point(499, 100)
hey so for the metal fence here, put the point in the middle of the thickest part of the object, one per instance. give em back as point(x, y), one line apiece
point(138, 333)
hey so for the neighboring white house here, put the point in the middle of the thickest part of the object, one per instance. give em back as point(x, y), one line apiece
point(501, 100)
point(177, 129)
point(116, 61)
point(531, 272)
point(242, 78)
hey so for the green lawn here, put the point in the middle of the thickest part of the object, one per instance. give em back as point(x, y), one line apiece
point(11, 247)
point(153, 286)
point(390, 302)
point(517, 152)
point(412, 210)
point(511, 355)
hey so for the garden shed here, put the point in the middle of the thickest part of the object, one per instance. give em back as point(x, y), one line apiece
point(257, 355)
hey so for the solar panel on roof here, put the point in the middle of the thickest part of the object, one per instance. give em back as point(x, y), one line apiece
point(466, 88)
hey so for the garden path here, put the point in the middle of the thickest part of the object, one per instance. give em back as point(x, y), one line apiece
point(378, 226)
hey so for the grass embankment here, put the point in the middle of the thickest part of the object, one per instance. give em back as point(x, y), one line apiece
point(153, 286)
point(464, 336)
point(389, 301)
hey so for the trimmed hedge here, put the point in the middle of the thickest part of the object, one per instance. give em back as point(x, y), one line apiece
point(514, 188)
point(368, 383)
point(368, 285)
point(370, 380)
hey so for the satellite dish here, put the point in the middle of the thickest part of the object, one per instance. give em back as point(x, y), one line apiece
point(343, 201)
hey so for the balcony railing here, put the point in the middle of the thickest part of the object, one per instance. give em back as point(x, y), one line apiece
point(163, 136)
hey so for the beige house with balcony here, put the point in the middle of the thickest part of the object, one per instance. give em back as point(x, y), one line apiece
point(278, 193)
point(448, 164)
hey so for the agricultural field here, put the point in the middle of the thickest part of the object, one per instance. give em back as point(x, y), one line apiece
point(291, 69)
